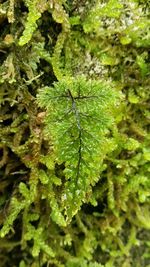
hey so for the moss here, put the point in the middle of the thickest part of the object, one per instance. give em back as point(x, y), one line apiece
point(74, 131)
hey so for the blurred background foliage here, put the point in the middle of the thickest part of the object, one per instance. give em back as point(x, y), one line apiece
point(42, 42)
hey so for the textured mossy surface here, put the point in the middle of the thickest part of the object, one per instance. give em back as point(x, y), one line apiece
point(74, 133)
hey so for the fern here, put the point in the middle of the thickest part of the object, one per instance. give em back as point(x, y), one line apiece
point(78, 117)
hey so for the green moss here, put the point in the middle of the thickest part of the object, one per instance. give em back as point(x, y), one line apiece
point(74, 131)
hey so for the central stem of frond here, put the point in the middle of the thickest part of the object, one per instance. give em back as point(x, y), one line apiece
point(77, 116)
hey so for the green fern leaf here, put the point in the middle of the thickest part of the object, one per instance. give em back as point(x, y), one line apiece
point(78, 118)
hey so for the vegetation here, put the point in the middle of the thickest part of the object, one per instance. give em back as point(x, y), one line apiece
point(74, 131)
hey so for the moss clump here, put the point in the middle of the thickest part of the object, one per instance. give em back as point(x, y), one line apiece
point(74, 131)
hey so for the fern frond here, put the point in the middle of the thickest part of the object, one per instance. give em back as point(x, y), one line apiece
point(78, 117)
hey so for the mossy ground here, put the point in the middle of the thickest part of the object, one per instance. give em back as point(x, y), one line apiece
point(42, 42)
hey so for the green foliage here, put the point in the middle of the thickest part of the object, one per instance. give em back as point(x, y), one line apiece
point(78, 117)
point(35, 11)
point(80, 262)
point(74, 150)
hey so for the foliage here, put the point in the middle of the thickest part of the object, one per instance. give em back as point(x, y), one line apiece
point(78, 115)
point(74, 131)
